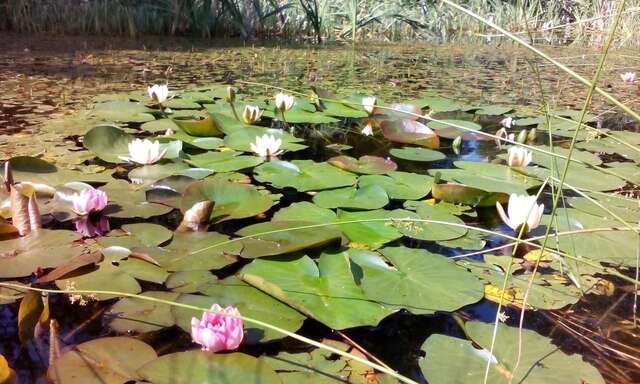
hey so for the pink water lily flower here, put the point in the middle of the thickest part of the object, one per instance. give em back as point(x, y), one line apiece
point(218, 332)
point(89, 201)
point(628, 77)
point(92, 227)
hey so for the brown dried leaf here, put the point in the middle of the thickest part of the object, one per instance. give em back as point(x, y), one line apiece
point(20, 211)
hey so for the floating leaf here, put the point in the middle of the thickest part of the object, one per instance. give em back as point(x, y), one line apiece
point(108, 142)
point(232, 200)
point(138, 315)
point(127, 201)
point(372, 227)
point(367, 165)
point(367, 197)
point(400, 185)
point(417, 154)
point(303, 175)
point(420, 281)
point(41, 249)
point(410, 132)
point(108, 360)
point(203, 367)
point(326, 291)
point(279, 237)
point(453, 360)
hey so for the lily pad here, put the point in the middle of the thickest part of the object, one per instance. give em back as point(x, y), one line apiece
point(279, 237)
point(303, 175)
point(418, 280)
point(232, 200)
point(368, 197)
point(325, 291)
point(38, 250)
point(453, 360)
point(371, 227)
point(108, 360)
point(203, 367)
point(367, 165)
point(400, 185)
point(138, 315)
point(410, 132)
point(127, 201)
point(108, 142)
point(417, 154)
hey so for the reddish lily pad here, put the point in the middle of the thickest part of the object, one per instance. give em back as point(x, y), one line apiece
point(410, 132)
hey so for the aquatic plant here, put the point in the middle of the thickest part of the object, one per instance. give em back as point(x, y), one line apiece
point(628, 77)
point(267, 146)
point(518, 156)
point(522, 211)
point(218, 331)
point(143, 151)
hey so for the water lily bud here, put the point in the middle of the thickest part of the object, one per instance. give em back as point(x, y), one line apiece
point(284, 102)
point(519, 156)
point(251, 114)
point(216, 332)
point(522, 210)
point(522, 136)
point(230, 96)
point(368, 104)
point(158, 93)
point(457, 142)
point(531, 136)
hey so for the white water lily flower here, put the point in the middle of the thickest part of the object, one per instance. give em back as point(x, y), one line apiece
point(523, 210)
point(507, 122)
point(284, 102)
point(158, 93)
point(519, 156)
point(503, 134)
point(144, 152)
point(251, 114)
point(367, 130)
point(628, 77)
point(369, 103)
point(267, 146)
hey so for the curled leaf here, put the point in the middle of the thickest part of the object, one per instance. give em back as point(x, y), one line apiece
point(35, 220)
point(196, 218)
point(20, 211)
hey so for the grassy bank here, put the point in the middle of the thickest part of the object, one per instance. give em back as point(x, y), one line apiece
point(553, 21)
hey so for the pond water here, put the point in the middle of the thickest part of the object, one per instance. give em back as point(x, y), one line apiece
point(51, 86)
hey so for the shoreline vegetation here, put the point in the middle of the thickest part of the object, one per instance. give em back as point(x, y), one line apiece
point(576, 22)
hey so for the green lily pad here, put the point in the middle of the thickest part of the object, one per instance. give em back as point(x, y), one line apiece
point(108, 142)
point(40, 249)
point(368, 197)
point(367, 165)
point(224, 161)
point(150, 234)
point(303, 175)
point(159, 126)
point(126, 201)
point(199, 124)
point(108, 360)
point(279, 237)
point(151, 173)
point(232, 200)
point(417, 154)
point(420, 281)
point(35, 170)
point(400, 185)
point(325, 291)
point(438, 103)
point(188, 281)
point(203, 367)
point(450, 130)
point(138, 315)
point(373, 230)
point(453, 360)
point(410, 132)
point(493, 110)
point(489, 177)
point(123, 111)
point(195, 251)
point(305, 209)
point(425, 230)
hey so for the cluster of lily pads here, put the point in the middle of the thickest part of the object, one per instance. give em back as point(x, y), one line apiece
point(206, 195)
